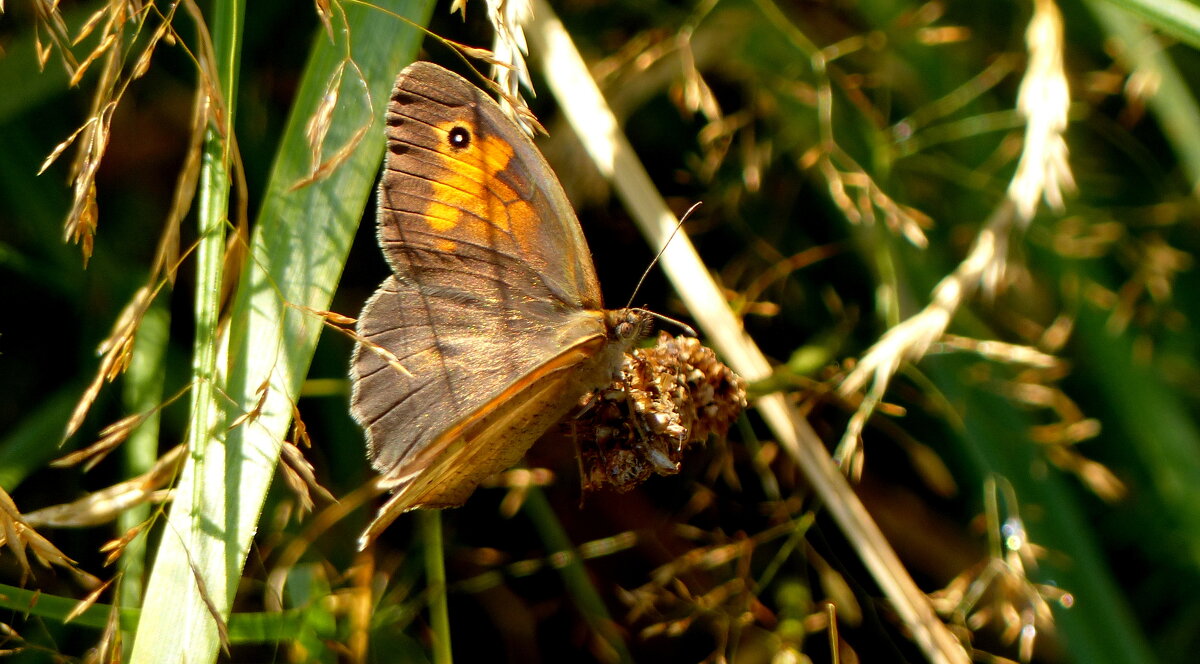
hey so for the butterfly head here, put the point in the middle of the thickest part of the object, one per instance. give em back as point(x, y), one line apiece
point(629, 325)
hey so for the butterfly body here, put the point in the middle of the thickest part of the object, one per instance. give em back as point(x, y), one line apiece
point(492, 325)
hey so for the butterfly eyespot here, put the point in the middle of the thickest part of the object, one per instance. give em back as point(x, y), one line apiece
point(460, 137)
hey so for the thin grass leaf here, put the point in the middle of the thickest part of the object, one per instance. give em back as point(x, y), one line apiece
point(143, 391)
point(197, 626)
point(570, 566)
point(1173, 100)
point(1178, 18)
point(295, 256)
point(430, 525)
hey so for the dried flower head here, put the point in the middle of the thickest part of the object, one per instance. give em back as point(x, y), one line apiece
point(662, 400)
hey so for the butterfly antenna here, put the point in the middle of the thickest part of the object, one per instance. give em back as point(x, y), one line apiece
point(655, 262)
point(687, 329)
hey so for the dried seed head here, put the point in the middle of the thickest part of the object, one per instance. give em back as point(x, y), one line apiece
point(662, 400)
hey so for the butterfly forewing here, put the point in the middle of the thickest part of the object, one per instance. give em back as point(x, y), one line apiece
point(460, 178)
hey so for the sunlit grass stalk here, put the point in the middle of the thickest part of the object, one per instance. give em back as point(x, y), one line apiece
point(610, 151)
point(430, 528)
point(190, 578)
point(1042, 173)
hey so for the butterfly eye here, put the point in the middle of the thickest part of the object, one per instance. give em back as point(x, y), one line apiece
point(460, 137)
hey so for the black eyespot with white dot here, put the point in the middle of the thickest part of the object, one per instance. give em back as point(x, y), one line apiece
point(460, 138)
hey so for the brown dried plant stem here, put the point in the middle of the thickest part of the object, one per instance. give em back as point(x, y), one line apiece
point(586, 110)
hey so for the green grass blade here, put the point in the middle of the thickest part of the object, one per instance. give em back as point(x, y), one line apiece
point(257, 627)
point(574, 576)
point(1173, 101)
point(1178, 18)
point(1156, 425)
point(196, 540)
point(143, 393)
point(430, 525)
point(297, 253)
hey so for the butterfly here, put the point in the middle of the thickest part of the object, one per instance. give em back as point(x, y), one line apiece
point(491, 326)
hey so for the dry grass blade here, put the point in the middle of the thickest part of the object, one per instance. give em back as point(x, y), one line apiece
point(1043, 100)
point(322, 119)
point(300, 478)
point(337, 159)
point(103, 506)
point(484, 54)
point(115, 548)
point(115, 352)
point(19, 534)
point(164, 33)
point(108, 650)
point(325, 16)
point(82, 220)
point(509, 48)
point(110, 437)
point(166, 258)
point(49, 18)
point(299, 430)
point(336, 318)
point(293, 467)
point(262, 392)
point(85, 603)
point(121, 25)
point(63, 145)
point(387, 355)
point(89, 25)
point(213, 611)
point(610, 151)
point(322, 521)
point(106, 43)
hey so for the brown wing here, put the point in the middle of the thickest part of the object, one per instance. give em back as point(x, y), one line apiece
point(460, 178)
point(460, 355)
point(492, 288)
point(494, 437)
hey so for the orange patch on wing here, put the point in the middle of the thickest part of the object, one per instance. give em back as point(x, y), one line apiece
point(524, 220)
point(442, 217)
point(472, 193)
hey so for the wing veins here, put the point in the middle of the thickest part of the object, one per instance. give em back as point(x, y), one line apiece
point(440, 162)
